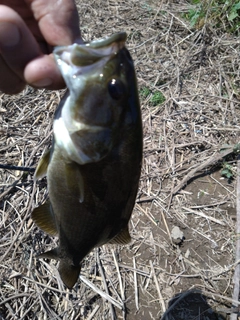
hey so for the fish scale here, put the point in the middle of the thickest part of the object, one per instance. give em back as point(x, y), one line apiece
point(94, 164)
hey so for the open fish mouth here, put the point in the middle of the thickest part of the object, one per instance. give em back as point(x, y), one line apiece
point(79, 59)
point(84, 125)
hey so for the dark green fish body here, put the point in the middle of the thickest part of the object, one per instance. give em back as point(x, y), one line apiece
point(94, 166)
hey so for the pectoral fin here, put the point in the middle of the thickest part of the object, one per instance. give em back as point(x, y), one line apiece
point(44, 218)
point(123, 237)
point(51, 254)
point(68, 273)
point(42, 166)
point(75, 180)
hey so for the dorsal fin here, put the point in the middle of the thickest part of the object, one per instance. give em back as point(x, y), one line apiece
point(68, 273)
point(123, 237)
point(44, 218)
point(42, 166)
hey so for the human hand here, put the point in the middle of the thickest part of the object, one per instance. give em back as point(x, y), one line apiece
point(29, 29)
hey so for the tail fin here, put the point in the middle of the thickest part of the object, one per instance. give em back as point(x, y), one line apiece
point(68, 273)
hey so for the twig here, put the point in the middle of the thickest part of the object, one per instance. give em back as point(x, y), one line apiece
point(120, 282)
point(216, 295)
point(119, 275)
point(92, 314)
point(101, 293)
point(142, 273)
point(228, 310)
point(161, 300)
point(236, 276)
point(105, 283)
point(16, 296)
point(146, 213)
point(201, 214)
point(208, 205)
point(10, 167)
point(214, 159)
point(9, 189)
point(135, 283)
point(22, 224)
point(166, 226)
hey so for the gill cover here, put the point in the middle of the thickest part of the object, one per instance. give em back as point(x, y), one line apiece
point(85, 127)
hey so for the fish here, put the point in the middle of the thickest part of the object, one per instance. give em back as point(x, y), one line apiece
point(93, 166)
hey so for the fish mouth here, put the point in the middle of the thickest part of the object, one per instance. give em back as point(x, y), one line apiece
point(78, 59)
point(86, 69)
point(116, 37)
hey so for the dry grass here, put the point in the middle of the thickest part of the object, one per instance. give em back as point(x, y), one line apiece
point(198, 73)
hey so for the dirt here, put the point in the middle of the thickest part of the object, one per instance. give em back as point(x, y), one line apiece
point(199, 259)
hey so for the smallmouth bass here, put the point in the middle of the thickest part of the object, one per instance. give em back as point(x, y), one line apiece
point(94, 164)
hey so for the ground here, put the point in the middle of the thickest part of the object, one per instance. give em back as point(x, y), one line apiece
point(189, 140)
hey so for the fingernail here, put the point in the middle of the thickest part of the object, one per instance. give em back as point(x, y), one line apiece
point(9, 34)
point(42, 83)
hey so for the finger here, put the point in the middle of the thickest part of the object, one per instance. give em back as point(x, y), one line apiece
point(43, 72)
point(59, 25)
point(9, 82)
point(17, 44)
point(58, 21)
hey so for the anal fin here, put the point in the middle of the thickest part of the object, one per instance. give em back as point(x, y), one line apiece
point(68, 273)
point(44, 218)
point(123, 237)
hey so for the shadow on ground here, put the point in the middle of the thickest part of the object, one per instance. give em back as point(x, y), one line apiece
point(190, 305)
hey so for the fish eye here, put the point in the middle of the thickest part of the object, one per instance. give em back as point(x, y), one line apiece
point(116, 89)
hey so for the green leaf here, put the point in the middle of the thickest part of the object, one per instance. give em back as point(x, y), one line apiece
point(226, 173)
point(236, 6)
point(232, 16)
point(157, 98)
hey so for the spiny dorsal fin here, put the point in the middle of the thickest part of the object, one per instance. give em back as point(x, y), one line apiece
point(75, 180)
point(44, 218)
point(123, 237)
point(68, 273)
point(42, 166)
point(51, 254)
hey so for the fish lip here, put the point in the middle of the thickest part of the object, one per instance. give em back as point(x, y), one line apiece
point(119, 37)
point(83, 55)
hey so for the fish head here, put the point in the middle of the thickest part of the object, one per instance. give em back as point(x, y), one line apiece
point(97, 76)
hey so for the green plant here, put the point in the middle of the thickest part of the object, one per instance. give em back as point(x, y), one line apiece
point(146, 6)
point(223, 14)
point(157, 98)
point(227, 171)
point(234, 12)
point(145, 92)
point(194, 15)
